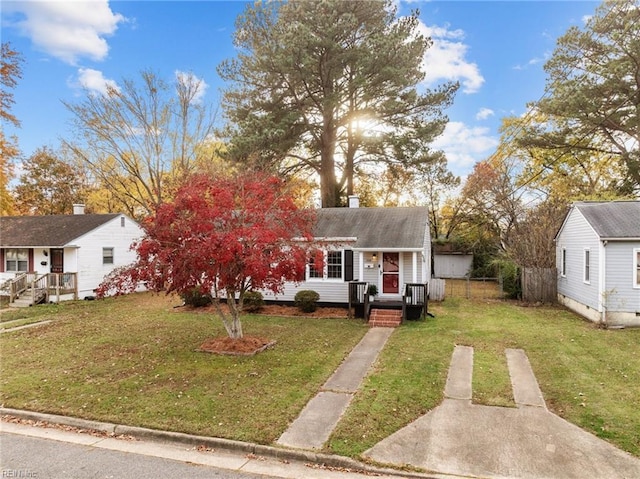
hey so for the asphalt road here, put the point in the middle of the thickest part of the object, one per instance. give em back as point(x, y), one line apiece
point(24, 457)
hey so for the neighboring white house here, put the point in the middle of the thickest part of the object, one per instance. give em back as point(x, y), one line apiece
point(74, 251)
point(385, 247)
point(598, 261)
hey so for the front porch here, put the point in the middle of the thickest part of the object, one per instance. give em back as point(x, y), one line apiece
point(388, 313)
point(28, 289)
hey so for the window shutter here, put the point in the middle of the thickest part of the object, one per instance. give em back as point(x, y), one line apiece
point(348, 265)
point(30, 267)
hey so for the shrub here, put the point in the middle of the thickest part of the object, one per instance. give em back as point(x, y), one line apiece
point(196, 298)
point(372, 290)
point(252, 301)
point(510, 275)
point(306, 300)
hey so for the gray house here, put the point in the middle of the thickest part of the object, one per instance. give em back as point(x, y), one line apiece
point(598, 261)
point(385, 247)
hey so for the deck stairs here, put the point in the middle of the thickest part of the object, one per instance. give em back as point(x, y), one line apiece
point(385, 318)
point(28, 298)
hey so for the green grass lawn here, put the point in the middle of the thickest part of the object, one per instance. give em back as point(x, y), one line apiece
point(589, 376)
point(132, 360)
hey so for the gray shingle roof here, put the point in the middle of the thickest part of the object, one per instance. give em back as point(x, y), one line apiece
point(376, 227)
point(54, 230)
point(613, 219)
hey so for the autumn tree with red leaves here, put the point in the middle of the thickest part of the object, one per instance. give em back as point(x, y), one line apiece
point(226, 236)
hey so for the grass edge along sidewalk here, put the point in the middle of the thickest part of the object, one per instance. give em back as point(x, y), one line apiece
point(132, 359)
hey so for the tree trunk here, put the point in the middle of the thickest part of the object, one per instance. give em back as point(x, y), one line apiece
point(328, 182)
point(232, 325)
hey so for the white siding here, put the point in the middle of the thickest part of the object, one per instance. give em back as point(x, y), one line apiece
point(334, 291)
point(88, 262)
point(576, 235)
point(619, 292)
point(330, 290)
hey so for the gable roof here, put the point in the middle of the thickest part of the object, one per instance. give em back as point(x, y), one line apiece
point(612, 219)
point(52, 230)
point(376, 227)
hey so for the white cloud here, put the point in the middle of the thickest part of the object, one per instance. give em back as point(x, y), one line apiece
point(67, 30)
point(445, 59)
point(465, 146)
point(196, 87)
point(484, 113)
point(533, 61)
point(94, 81)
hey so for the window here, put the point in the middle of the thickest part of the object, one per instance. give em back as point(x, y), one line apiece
point(122, 222)
point(636, 268)
point(587, 272)
point(107, 255)
point(17, 260)
point(313, 271)
point(563, 266)
point(334, 264)
point(331, 267)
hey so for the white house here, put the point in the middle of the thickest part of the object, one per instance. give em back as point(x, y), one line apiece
point(68, 255)
point(385, 247)
point(598, 261)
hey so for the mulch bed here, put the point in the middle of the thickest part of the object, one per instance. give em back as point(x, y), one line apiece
point(245, 346)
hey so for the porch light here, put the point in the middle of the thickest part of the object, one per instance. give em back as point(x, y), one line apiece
point(374, 257)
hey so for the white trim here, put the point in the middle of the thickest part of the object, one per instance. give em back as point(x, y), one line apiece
point(414, 267)
point(360, 265)
point(636, 268)
point(389, 250)
point(325, 268)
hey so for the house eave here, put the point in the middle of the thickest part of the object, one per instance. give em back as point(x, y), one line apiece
point(391, 250)
point(634, 238)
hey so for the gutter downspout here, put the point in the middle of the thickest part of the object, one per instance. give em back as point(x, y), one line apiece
point(602, 279)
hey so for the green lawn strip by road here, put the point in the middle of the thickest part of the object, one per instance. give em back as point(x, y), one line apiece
point(589, 376)
point(131, 360)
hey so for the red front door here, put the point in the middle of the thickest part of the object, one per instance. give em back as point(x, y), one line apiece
point(57, 260)
point(390, 273)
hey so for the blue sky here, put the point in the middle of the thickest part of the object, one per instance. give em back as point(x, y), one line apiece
point(495, 49)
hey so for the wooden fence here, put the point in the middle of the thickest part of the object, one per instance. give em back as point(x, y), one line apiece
point(436, 289)
point(539, 285)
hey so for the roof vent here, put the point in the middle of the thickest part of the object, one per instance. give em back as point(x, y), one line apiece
point(78, 209)
point(354, 201)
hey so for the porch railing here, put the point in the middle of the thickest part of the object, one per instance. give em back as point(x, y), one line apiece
point(415, 297)
point(63, 283)
point(42, 287)
point(359, 299)
point(19, 285)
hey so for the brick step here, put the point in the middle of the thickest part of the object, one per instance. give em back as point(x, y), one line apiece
point(385, 318)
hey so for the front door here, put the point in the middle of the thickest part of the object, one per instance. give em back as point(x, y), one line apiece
point(57, 260)
point(390, 273)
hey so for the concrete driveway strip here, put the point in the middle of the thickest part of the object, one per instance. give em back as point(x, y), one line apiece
point(318, 419)
point(526, 391)
point(459, 378)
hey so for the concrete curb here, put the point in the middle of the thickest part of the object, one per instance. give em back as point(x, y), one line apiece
point(212, 442)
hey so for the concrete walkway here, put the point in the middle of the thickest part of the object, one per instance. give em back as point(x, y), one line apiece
point(528, 441)
point(318, 419)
